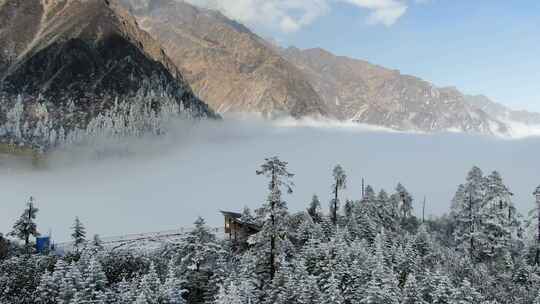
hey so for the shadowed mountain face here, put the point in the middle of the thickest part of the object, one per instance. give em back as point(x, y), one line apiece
point(227, 65)
point(85, 54)
point(360, 91)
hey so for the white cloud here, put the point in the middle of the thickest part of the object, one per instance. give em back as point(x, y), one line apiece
point(385, 12)
point(287, 15)
point(292, 15)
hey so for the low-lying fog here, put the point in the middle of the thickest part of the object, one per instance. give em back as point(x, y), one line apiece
point(160, 184)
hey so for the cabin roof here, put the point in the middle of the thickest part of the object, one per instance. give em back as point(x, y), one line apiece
point(234, 215)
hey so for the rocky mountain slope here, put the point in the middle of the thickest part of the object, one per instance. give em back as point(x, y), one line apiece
point(360, 91)
point(235, 70)
point(75, 63)
point(227, 65)
point(502, 112)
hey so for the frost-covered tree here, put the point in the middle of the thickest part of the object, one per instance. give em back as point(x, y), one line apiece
point(466, 207)
point(79, 233)
point(332, 292)
point(382, 287)
point(126, 292)
point(47, 291)
point(271, 240)
point(4, 247)
point(94, 281)
point(340, 182)
point(466, 294)
point(411, 292)
point(230, 294)
point(406, 200)
point(535, 214)
point(444, 291)
point(200, 246)
point(172, 289)
point(97, 242)
point(25, 226)
point(150, 285)
point(315, 210)
point(499, 223)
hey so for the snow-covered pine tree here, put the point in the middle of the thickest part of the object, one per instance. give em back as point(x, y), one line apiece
point(406, 261)
point(386, 215)
point(79, 234)
point(332, 292)
point(340, 182)
point(444, 291)
point(25, 226)
point(220, 273)
point(47, 291)
point(4, 247)
point(273, 215)
point(141, 299)
point(499, 223)
point(466, 294)
point(94, 281)
point(150, 286)
point(200, 246)
point(354, 230)
point(466, 207)
point(382, 287)
point(229, 295)
point(70, 281)
point(96, 242)
point(411, 292)
point(315, 210)
point(348, 209)
point(172, 290)
point(535, 215)
point(406, 200)
point(126, 292)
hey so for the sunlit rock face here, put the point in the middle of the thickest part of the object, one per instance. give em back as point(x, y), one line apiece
point(64, 64)
point(237, 71)
point(360, 91)
point(228, 66)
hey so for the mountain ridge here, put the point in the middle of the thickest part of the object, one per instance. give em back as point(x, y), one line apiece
point(227, 65)
point(363, 92)
point(216, 53)
point(83, 64)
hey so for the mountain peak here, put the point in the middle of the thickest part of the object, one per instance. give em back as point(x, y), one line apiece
point(230, 67)
point(85, 55)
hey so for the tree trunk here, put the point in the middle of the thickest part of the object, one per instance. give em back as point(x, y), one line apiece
point(27, 232)
point(471, 228)
point(334, 216)
point(273, 236)
point(538, 240)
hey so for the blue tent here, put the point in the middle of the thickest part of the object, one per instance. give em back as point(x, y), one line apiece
point(43, 244)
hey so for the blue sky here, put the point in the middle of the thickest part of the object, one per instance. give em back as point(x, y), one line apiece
point(489, 47)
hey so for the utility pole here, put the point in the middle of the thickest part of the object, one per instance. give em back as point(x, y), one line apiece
point(424, 210)
point(363, 189)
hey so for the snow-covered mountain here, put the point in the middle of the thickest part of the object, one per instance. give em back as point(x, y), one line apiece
point(68, 64)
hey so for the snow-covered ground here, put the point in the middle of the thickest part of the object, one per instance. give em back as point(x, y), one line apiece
point(140, 241)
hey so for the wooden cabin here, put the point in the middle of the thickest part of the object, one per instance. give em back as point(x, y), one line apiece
point(236, 229)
